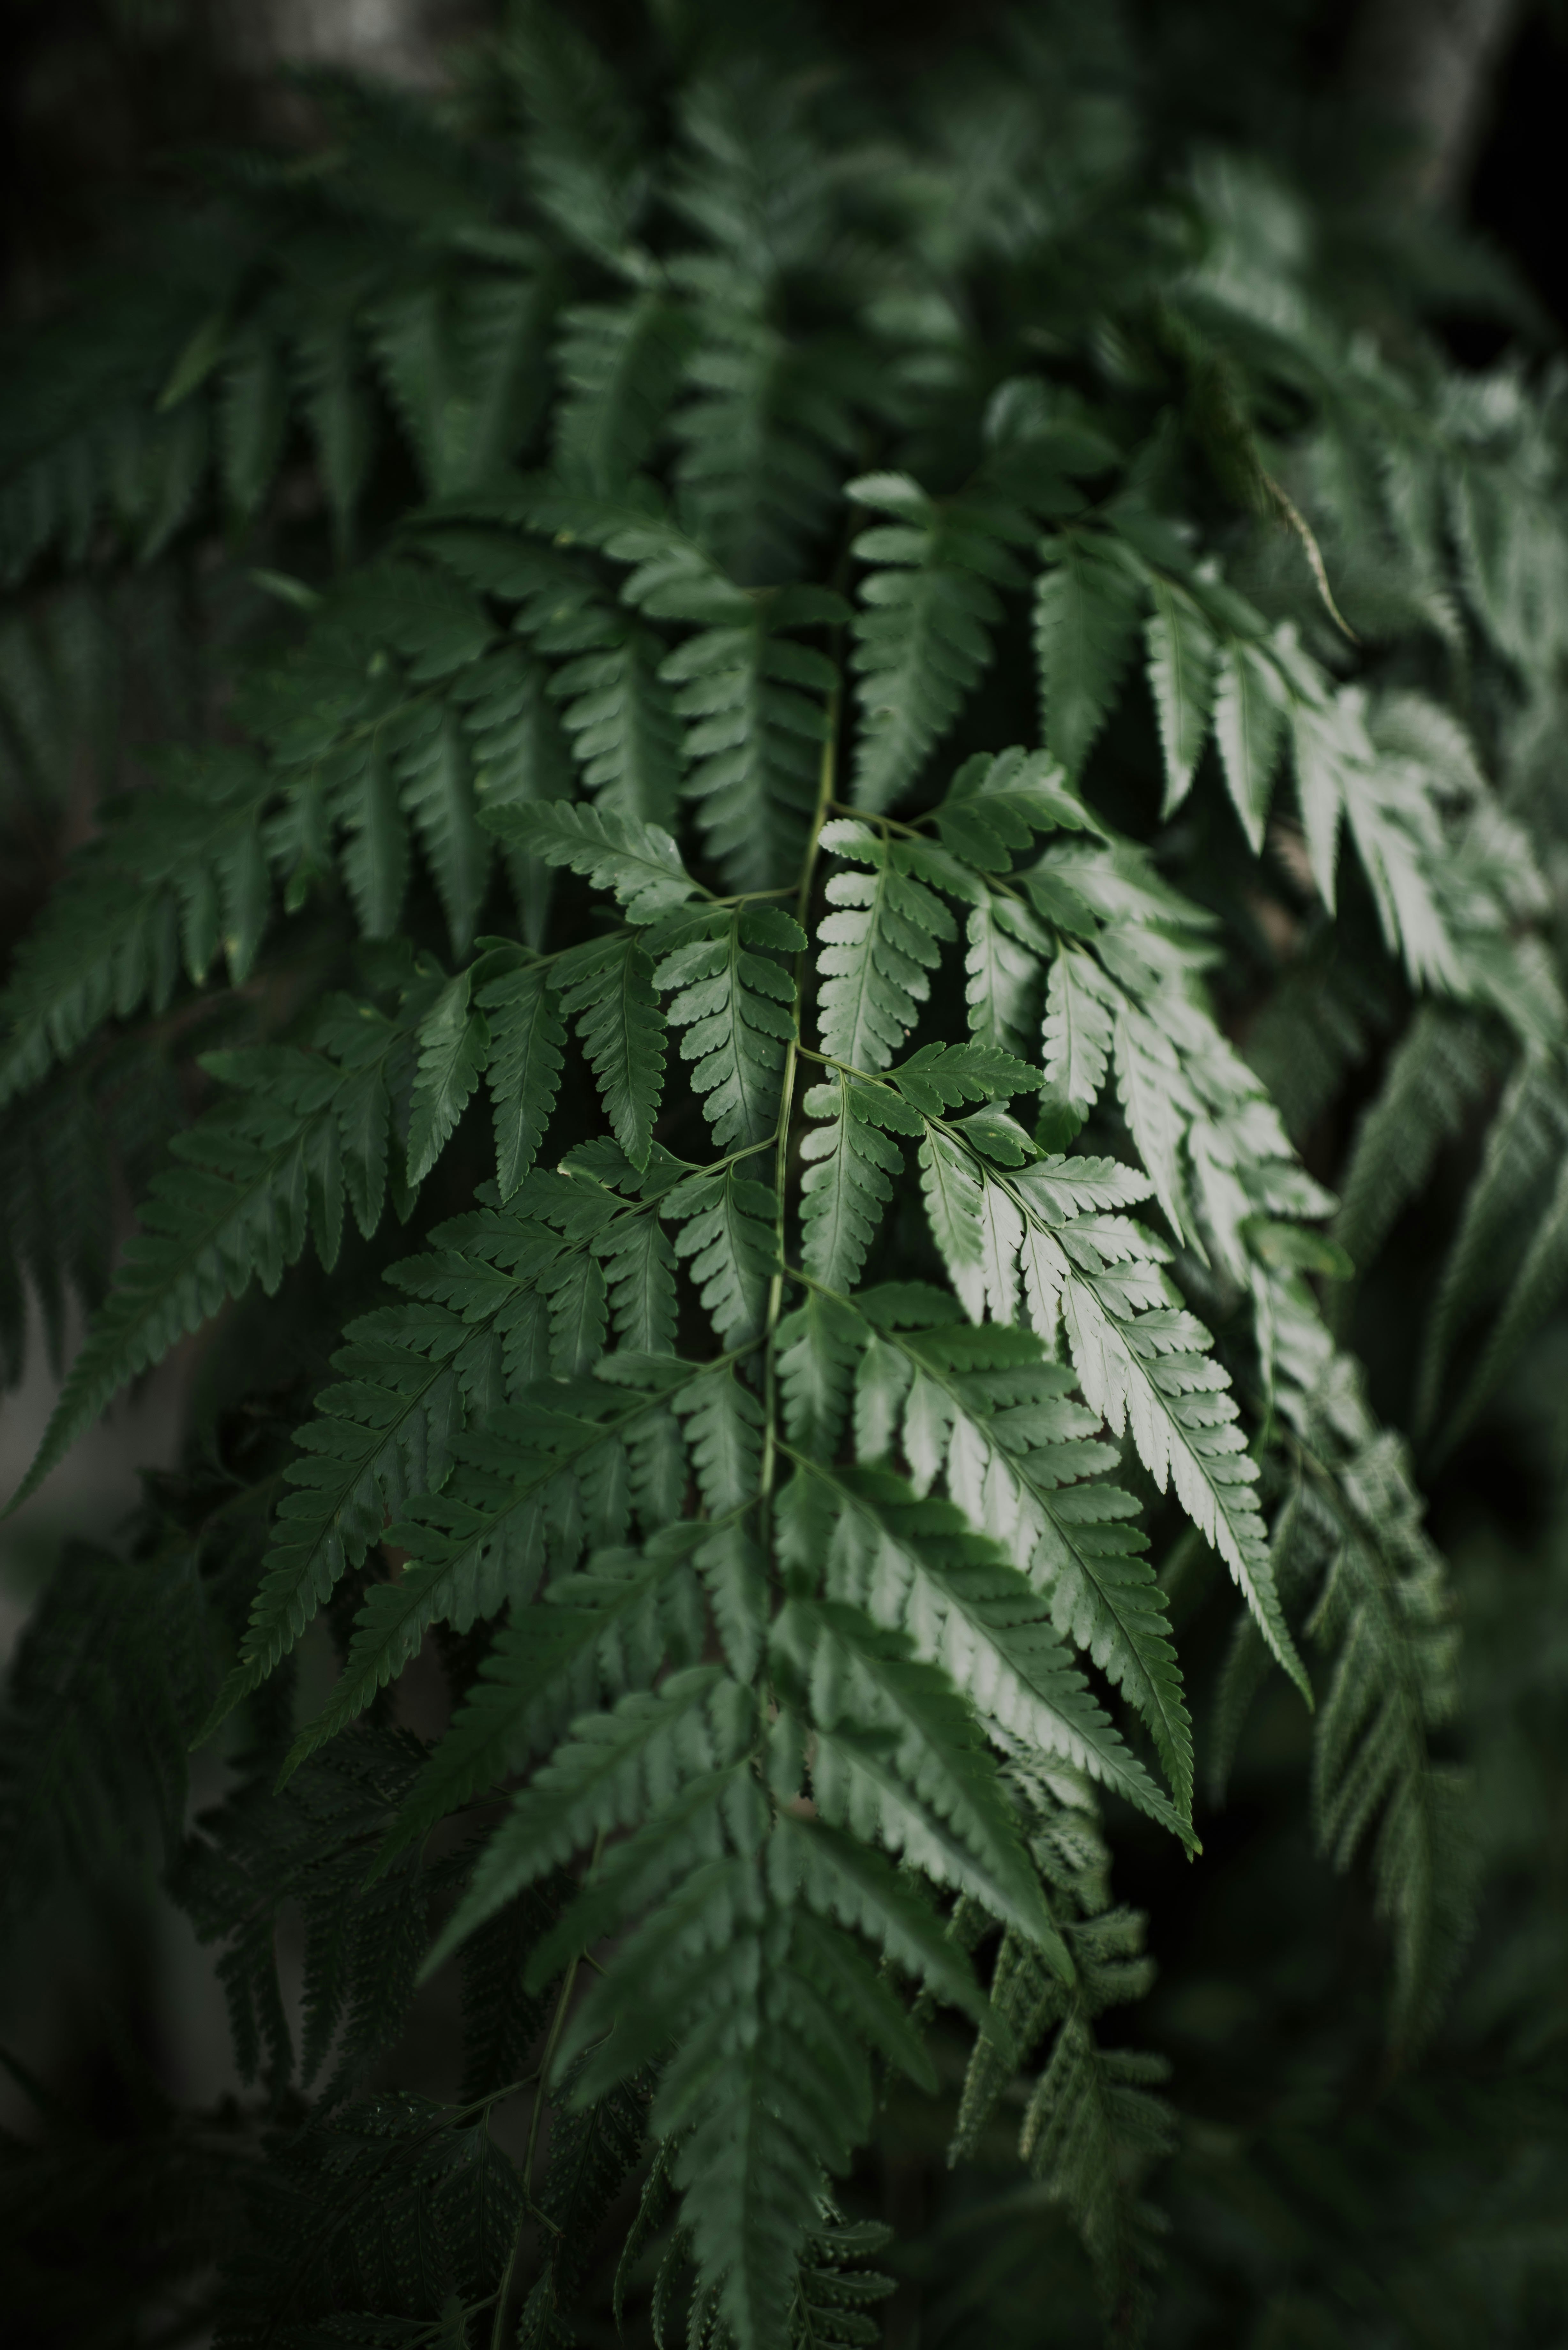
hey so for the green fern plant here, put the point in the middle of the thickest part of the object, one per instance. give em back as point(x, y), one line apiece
point(738, 845)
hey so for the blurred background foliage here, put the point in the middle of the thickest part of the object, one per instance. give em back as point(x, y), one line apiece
point(1313, 2200)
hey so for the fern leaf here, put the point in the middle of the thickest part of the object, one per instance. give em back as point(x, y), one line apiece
point(761, 435)
point(1523, 1143)
point(851, 1166)
point(736, 1007)
point(1091, 2127)
point(339, 413)
point(604, 1631)
point(384, 1433)
point(310, 1845)
point(520, 754)
point(103, 1693)
point(756, 704)
point(1080, 1022)
point(499, 332)
point(819, 1346)
point(1532, 1295)
point(638, 1264)
point(975, 1226)
point(641, 862)
point(176, 875)
point(1248, 724)
point(1181, 664)
point(879, 947)
point(723, 1434)
point(924, 639)
point(526, 1037)
point(972, 1610)
point(437, 791)
point(1007, 949)
point(1013, 1449)
point(237, 1208)
point(1086, 617)
point(727, 1233)
point(609, 990)
point(376, 858)
point(621, 364)
point(252, 421)
point(605, 1776)
point(765, 2068)
point(1384, 1612)
point(582, 152)
point(1146, 1367)
point(1090, 2104)
point(932, 1793)
point(453, 1049)
point(1432, 1078)
point(621, 718)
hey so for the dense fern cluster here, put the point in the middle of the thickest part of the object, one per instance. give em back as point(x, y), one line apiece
point(814, 638)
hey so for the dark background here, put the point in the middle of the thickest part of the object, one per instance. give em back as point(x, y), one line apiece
point(102, 103)
point(99, 98)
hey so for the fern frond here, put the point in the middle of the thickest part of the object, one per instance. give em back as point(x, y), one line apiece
point(608, 989)
point(255, 1176)
point(1093, 2127)
point(521, 1487)
point(1013, 1449)
point(609, 1775)
point(583, 148)
point(736, 1007)
point(621, 364)
point(180, 875)
point(851, 1166)
point(1532, 1295)
point(477, 1319)
point(525, 1038)
point(111, 1675)
point(968, 1609)
point(1250, 708)
point(924, 639)
point(436, 790)
point(1433, 1078)
point(1086, 609)
point(339, 412)
point(311, 1845)
point(640, 862)
point(756, 702)
point(1523, 1143)
point(727, 1233)
point(1385, 1609)
point(769, 424)
point(1182, 666)
point(880, 945)
point(604, 1631)
point(620, 717)
point(897, 1758)
point(1145, 1366)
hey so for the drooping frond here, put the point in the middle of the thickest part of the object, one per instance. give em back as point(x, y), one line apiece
point(1093, 2124)
point(1432, 1082)
point(312, 1844)
point(111, 1674)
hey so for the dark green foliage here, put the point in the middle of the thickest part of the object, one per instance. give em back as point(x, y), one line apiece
point(801, 722)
